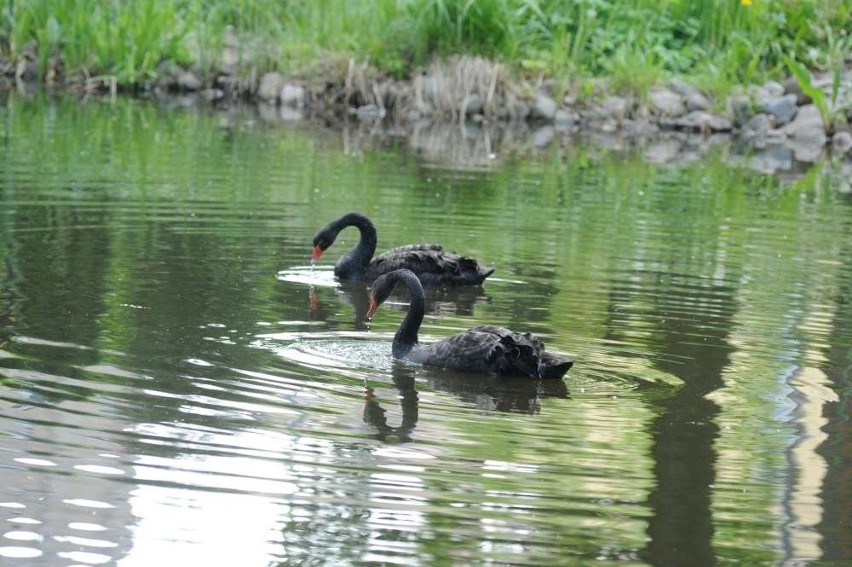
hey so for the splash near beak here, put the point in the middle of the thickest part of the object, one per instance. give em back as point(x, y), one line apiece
point(315, 255)
point(372, 309)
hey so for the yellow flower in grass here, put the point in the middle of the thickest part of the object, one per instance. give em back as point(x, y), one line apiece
point(745, 2)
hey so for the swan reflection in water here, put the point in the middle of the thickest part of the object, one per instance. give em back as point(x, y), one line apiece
point(444, 300)
point(503, 394)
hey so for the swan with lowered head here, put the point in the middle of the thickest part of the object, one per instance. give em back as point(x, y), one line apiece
point(432, 264)
point(487, 349)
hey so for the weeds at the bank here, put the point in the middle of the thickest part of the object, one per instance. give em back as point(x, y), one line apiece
point(725, 41)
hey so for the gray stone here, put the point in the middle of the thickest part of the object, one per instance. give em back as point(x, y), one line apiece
point(638, 128)
point(593, 112)
point(740, 108)
point(783, 108)
point(755, 130)
point(807, 118)
point(473, 104)
point(290, 114)
point(544, 108)
point(773, 89)
point(841, 142)
point(614, 107)
point(720, 123)
point(701, 121)
point(808, 145)
point(188, 81)
point(608, 125)
point(777, 157)
point(292, 95)
point(667, 102)
point(543, 136)
point(212, 94)
point(692, 97)
point(757, 93)
point(270, 86)
point(565, 119)
point(697, 101)
point(663, 150)
point(757, 125)
point(806, 134)
point(370, 112)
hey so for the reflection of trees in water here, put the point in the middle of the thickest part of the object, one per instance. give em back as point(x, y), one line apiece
point(681, 527)
point(837, 449)
point(56, 273)
point(7, 298)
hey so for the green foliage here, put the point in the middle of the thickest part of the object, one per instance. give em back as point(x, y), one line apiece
point(124, 39)
point(827, 105)
point(726, 41)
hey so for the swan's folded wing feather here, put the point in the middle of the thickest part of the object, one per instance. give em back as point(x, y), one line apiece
point(431, 263)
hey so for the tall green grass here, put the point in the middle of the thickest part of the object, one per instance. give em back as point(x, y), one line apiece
point(722, 41)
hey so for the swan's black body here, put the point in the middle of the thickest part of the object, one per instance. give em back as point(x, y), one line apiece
point(487, 349)
point(432, 264)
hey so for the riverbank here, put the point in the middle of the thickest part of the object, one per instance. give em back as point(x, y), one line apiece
point(764, 74)
point(797, 120)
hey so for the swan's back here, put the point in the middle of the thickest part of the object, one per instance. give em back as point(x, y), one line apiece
point(432, 264)
point(493, 350)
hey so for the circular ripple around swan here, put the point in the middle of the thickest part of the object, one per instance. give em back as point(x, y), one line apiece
point(309, 275)
point(343, 352)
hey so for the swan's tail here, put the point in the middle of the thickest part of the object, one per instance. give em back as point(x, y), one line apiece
point(551, 366)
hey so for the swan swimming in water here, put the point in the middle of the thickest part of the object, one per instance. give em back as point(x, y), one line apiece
point(432, 264)
point(487, 349)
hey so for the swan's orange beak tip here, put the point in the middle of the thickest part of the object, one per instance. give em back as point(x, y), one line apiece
point(315, 255)
point(372, 309)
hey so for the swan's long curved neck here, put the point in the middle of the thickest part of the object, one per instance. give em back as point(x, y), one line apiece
point(405, 338)
point(359, 257)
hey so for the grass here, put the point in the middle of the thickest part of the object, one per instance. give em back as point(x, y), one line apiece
point(720, 42)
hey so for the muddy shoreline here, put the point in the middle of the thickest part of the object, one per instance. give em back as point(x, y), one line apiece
point(774, 127)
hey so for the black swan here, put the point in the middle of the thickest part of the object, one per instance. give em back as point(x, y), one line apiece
point(487, 349)
point(430, 262)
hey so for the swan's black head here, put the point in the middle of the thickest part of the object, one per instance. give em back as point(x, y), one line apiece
point(322, 241)
point(380, 290)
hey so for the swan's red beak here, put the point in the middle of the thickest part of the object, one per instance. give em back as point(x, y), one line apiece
point(315, 255)
point(372, 309)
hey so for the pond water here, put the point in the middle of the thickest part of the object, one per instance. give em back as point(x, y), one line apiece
point(178, 385)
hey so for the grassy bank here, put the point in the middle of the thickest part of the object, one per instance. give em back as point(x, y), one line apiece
point(716, 43)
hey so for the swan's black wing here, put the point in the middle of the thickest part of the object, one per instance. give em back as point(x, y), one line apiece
point(432, 264)
point(493, 350)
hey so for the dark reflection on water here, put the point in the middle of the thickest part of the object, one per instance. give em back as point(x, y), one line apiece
point(485, 392)
point(177, 384)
